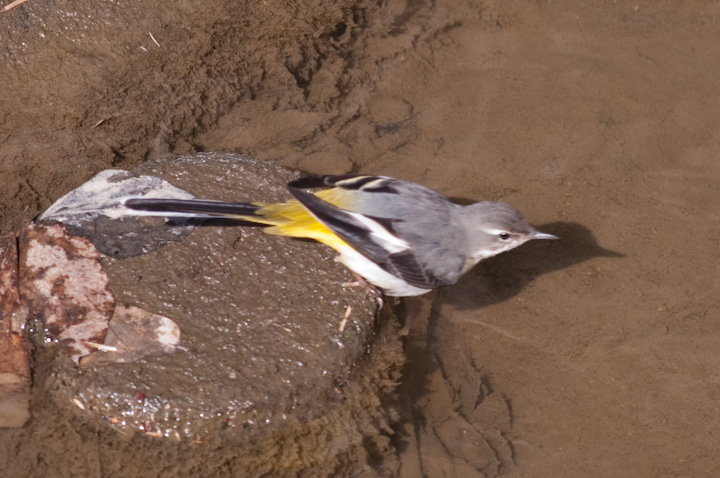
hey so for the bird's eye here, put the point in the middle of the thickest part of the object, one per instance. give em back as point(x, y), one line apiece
point(504, 236)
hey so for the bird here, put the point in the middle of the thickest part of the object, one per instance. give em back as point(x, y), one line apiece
point(397, 236)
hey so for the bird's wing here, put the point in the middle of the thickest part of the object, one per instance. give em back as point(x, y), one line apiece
point(379, 184)
point(371, 213)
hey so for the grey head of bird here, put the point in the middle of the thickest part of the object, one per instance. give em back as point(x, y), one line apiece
point(495, 227)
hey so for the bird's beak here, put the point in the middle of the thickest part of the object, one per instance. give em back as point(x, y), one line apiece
point(542, 235)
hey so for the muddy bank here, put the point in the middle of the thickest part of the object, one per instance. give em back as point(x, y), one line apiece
point(115, 83)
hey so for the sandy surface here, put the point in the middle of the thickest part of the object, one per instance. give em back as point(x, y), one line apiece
point(593, 356)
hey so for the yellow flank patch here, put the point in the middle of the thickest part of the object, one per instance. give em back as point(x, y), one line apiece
point(293, 220)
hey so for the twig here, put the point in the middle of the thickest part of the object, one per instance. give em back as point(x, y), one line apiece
point(12, 5)
point(280, 326)
point(153, 39)
point(101, 347)
point(345, 318)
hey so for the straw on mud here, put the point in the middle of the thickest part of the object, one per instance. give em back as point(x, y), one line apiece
point(12, 5)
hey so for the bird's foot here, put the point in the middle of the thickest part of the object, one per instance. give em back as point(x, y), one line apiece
point(374, 291)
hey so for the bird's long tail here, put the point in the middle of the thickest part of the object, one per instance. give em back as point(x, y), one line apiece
point(286, 219)
point(193, 208)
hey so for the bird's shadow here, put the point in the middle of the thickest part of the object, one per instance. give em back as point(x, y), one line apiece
point(502, 277)
point(492, 281)
point(213, 222)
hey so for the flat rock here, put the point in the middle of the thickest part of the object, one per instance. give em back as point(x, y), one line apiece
point(265, 363)
point(14, 349)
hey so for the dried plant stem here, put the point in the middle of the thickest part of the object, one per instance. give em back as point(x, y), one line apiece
point(12, 5)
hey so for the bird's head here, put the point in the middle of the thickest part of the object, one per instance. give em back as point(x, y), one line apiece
point(496, 227)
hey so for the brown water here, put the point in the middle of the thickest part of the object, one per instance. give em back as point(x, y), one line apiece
point(598, 121)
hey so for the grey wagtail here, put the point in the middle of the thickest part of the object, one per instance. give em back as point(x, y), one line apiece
point(399, 236)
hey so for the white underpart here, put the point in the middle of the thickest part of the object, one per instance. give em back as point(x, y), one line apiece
point(380, 235)
point(375, 275)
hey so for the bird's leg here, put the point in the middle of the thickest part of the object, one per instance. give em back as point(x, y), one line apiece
point(361, 282)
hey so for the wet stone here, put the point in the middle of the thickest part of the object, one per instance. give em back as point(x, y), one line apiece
point(62, 283)
point(14, 349)
point(267, 377)
point(9, 293)
point(94, 211)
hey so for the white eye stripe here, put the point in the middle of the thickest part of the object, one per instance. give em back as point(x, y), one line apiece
point(497, 232)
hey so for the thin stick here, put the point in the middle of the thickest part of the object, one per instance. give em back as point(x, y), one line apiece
point(153, 39)
point(12, 5)
point(101, 347)
point(345, 318)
